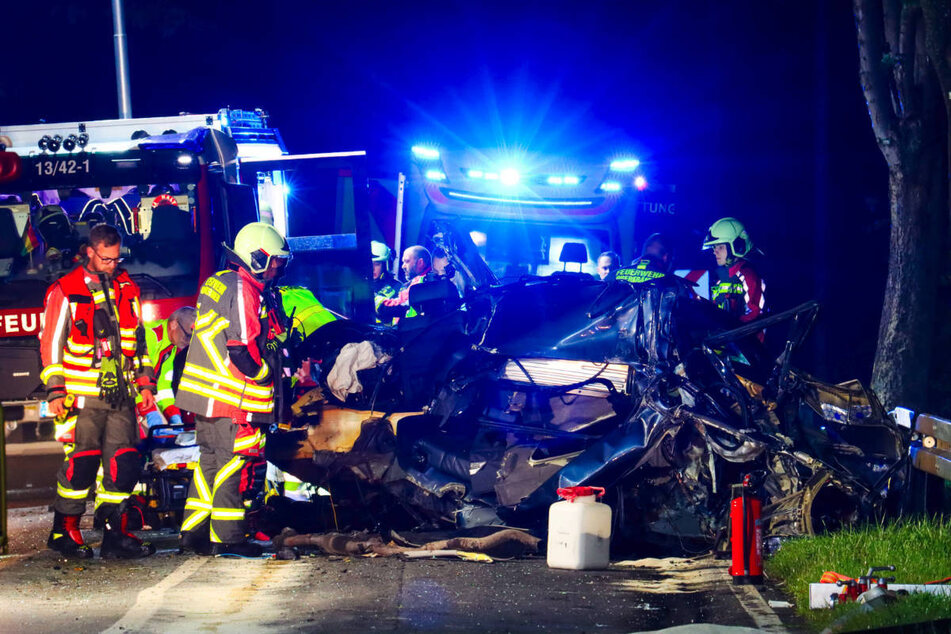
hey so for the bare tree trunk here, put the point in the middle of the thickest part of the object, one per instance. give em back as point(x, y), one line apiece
point(903, 357)
point(902, 82)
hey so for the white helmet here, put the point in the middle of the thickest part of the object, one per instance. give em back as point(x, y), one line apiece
point(257, 243)
point(381, 252)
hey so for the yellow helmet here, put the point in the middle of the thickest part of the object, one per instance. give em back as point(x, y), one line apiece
point(732, 233)
point(257, 243)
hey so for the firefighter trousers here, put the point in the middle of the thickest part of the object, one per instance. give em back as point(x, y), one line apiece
point(215, 492)
point(103, 436)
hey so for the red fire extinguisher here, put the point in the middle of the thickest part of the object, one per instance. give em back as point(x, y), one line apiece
point(746, 540)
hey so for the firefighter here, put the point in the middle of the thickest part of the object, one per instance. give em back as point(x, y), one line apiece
point(738, 289)
point(417, 264)
point(608, 264)
point(228, 383)
point(94, 360)
point(385, 285)
point(166, 340)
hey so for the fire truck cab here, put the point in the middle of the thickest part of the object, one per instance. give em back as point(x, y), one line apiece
point(176, 188)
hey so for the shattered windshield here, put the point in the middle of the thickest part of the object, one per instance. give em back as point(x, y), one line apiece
point(43, 234)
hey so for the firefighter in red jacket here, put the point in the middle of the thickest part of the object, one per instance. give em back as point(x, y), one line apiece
point(228, 383)
point(417, 266)
point(738, 288)
point(94, 360)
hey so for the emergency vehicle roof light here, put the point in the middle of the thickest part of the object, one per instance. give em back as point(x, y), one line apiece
point(610, 186)
point(640, 183)
point(191, 140)
point(509, 176)
point(435, 175)
point(624, 165)
point(425, 153)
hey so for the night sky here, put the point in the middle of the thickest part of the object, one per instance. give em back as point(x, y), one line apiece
point(751, 109)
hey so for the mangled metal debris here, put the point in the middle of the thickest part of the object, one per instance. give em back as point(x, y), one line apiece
point(479, 415)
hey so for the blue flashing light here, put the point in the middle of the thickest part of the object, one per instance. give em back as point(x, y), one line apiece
point(555, 180)
point(625, 165)
point(435, 175)
point(509, 176)
point(610, 186)
point(476, 174)
point(426, 153)
point(571, 180)
point(640, 183)
point(491, 176)
point(287, 189)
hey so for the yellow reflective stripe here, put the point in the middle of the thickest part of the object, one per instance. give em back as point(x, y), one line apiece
point(82, 389)
point(193, 504)
point(55, 369)
point(202, 486)
point(201, 390)
point(227, 514)
point(192, 521)
point(91, 374)
point(127, 332)
point(204, 319)
point(241, 444)
point(231, 467)
point(72, 494)
point(206, 337)
point(228, 380)
point(78, 348)
point(85, 362)
point(111, 496)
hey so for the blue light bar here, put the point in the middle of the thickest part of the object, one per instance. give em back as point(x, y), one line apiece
point(426, 153)
point(435, 175)
point(475, 174)
point(571, 180)
point(491, 176)
point(555, 180)
point(610, 186)
point(509, 176)
point(520, 201)
point(625, 165)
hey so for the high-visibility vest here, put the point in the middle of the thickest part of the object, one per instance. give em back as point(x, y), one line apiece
point(77, 361)
point(306, 312)
point(231, 311)
point(162, 352)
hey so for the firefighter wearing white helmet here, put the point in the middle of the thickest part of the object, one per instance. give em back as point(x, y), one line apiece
point(738, 289)
point(385, 286)
point(228, 383)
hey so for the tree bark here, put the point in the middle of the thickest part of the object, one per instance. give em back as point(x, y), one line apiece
point(902, 80)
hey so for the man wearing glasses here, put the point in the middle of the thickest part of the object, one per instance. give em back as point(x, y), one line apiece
point(228, 383)
point(94, 363)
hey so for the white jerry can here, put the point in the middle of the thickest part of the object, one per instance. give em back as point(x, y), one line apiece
point(579, 530)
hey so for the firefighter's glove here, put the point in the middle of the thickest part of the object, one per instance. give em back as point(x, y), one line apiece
point(153, 419)
point(108, 383)
point(175, 419)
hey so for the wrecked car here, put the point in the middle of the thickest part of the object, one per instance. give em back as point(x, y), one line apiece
point(477, 410)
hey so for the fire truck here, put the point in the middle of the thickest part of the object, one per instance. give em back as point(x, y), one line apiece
point(176, 188)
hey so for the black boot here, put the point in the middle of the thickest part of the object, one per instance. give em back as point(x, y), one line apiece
point(117, 541)
point(239, 549)
point(197, 541)
point(66, 538)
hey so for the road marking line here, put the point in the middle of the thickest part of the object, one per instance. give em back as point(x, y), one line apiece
point(755, 605)
point(149, 600)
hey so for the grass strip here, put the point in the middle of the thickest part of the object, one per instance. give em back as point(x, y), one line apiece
point(920, 550)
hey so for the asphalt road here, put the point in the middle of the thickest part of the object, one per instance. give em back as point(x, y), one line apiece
point(41, 592)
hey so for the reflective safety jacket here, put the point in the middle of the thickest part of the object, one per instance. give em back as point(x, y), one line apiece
point(162, 352)
point(304, 310)
point(71, 352)
point(398, 306)
point(739, 290)
point(227, 371)
point(385, 287)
